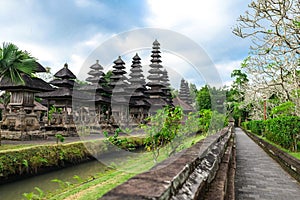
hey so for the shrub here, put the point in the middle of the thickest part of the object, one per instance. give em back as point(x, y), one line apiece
point(255, 126)
point(284, 131)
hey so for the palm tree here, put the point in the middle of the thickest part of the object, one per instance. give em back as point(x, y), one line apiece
point(15, 62)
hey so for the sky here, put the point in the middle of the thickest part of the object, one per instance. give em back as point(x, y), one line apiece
point(195, 36)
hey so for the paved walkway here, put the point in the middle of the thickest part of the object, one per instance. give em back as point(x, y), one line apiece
point(258, 176)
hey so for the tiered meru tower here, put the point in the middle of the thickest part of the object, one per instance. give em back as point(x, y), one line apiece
point(184, 92)
point(119, 98)
point(156, 94)
point(139, 105)
point(166, 89)
point(97, 95)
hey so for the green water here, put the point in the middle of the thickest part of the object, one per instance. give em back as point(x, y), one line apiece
point(14, 190)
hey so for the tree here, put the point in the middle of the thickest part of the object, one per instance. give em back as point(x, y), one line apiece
point(14, 62)
point(163, 130)
point(273, 64)
point(4, 100)
point(203, 98)
point(193, 92)
point(235, 96)
point(271, 24)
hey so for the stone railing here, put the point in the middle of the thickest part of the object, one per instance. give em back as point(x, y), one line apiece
point(190, 174)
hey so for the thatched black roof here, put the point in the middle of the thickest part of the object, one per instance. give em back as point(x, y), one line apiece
point(65, 73)
point(58, 93)
point(63, 83)
point(157, 102)
point(80, 95)
point(39, 68)
point(186, 107)
point(30, 83)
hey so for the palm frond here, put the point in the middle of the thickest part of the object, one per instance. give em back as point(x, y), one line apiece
point(13, 62)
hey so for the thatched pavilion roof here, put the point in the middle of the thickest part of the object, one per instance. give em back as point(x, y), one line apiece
point(62, 92)
point(65, 73)
point(39, 68)
point(30, 83)
point(186, 107)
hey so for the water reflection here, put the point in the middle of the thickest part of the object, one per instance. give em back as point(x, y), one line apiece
point(14, 191)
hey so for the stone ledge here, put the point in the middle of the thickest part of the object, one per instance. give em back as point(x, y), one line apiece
point(183, 176)
point(222, 187)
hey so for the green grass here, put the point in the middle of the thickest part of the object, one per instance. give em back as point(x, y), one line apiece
point(104, 182)
point(294, 154)
point(5, 147)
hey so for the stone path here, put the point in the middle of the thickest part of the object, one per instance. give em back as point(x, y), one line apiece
point(258, 176)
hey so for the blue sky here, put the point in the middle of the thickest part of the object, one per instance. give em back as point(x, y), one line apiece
point(69, 31)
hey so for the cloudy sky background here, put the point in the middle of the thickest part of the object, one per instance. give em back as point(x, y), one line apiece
point(71, 31)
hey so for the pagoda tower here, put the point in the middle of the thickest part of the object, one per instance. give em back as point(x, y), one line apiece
point(184, 92)
point(62, 97)
point(95, 94)
point(189, 97)
point(96, 75)
point(156, 94)
point(119, 98)
point(139, 105)
point(166, 89)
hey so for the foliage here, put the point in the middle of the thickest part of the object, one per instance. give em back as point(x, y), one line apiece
point(193, 91)
point(13, 62)
point(107, 78)
point(284, 131)
point(273, 65)
point(5, 99)
point(204, 120)
point(191, 124)
point(33, 196)
point(203, 100)
point(162, 130)
point(29, 160)
point(59, 137)
point(211, 121)
point(255, 126)
point(126, 143)
point(52, 110)
point(102, 182)
point(284, 109)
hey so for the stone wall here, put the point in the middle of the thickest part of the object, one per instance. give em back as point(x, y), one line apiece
point(187, 175)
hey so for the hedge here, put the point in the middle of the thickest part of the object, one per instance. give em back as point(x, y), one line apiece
point(283, 131)
point(256, 126)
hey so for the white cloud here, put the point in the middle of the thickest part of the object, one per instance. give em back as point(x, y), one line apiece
point(209, 24)
point(225, 68)
point(56, 38)
point(196, 19)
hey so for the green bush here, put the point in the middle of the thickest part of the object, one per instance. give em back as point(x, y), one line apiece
point(284, 131)
point(255, 126)
point(245, 125)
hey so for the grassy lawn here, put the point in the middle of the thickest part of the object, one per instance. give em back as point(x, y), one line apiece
point(294, 154)
point(104, 182)
point(5, 147)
